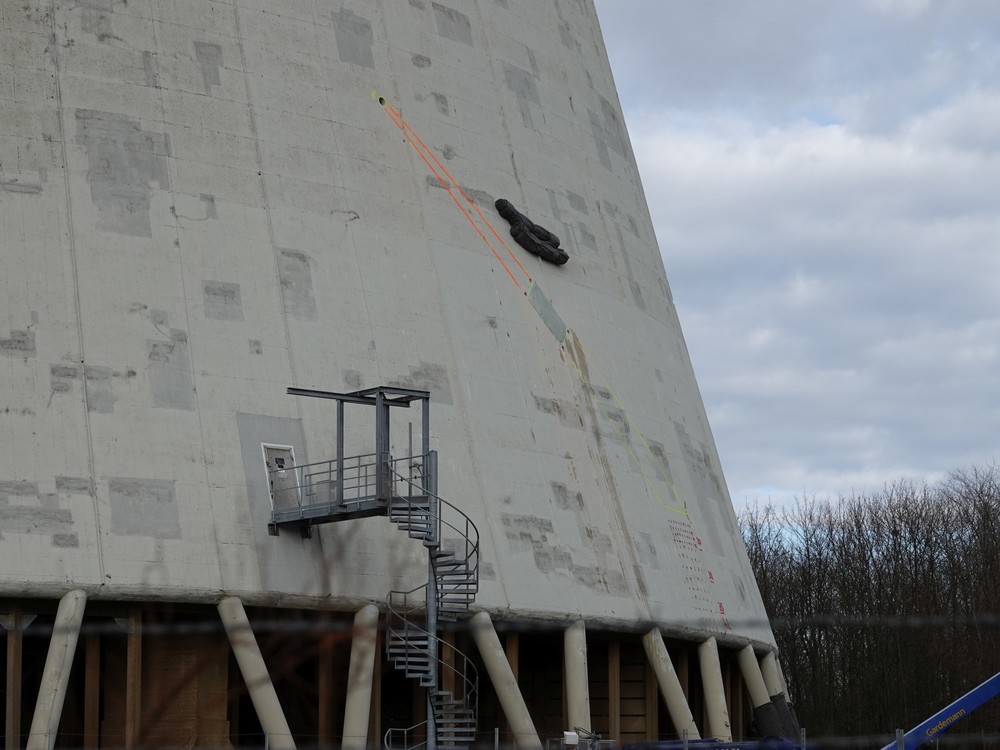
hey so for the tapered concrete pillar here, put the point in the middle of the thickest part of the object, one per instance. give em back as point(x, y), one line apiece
point(788, 695)
point(764, 712)
point(715, 693)
point(254, 671)
point(360, 678)
point(576, 675)
point(55, 676)
point(779, 698)
point(670, 686)
point(508, 693)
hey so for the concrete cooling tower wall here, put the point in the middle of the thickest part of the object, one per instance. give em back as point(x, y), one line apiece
point(205, 203)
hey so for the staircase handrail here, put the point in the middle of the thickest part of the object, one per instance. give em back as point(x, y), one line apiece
point(471, 539)
point(386, 741)
point(464, 670)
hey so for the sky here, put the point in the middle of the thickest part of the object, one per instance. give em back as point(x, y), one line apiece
point(824, 181)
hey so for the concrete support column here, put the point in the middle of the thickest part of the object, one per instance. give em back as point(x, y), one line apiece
point(776, 689)
point(576, 675)
point(511, 700)
point(55, 676)
point(764, 712)
point(360, 678)
point(715, 693)
point(670, 685)
point(254, 671)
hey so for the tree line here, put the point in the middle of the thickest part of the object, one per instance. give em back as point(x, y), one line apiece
point(885, 606)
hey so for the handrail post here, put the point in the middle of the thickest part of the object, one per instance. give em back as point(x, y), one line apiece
point(340, 452)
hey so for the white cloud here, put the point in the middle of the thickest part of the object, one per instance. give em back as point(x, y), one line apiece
point(828, 215)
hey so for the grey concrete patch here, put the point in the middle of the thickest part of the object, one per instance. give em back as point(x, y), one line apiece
point(536, 536)
point(24, 188)
point(568, 413)
point(144, 507)
point(563, 499)
point(586, 237)
point(421, 61)
point(65, 540)
point(17, 488)
point(209, 56)
point(96, 20)
point(566, 35)
point(428, 377)
point(661, 464)
point(354, 38)
point(352, 380)
point(598, 541)
point(633, 282)
point(452, 25)
point(100, 398)
point(222, 300)
point(418, 4)
point(208, 201)
point(554, 204)
point(577, 202)
point(170, 372)
point(296, 284)
point(62, 377)
point(547, 313)
point(608, 132)
point(620, 429)
point(25, 519)
point(646, 549)
point(256, 347)
point(523, 85)
point(20, 344)
point(149, 68)
point(123, 160)
point(75, 485)
point(442, 103)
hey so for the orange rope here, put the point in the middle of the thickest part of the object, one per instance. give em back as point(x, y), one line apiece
point(407, 130)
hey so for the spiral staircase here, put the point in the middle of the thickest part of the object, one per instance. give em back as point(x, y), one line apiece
point(405, 490)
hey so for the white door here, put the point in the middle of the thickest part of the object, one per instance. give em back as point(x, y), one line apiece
point(281, 476)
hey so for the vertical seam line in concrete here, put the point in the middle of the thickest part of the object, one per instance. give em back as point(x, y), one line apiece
point(457, 393)
point(76, 286)
point(267, 210)
point(153, 20)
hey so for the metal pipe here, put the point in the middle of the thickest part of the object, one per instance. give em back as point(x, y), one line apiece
point(254, 671)
point(715, 694)
point(670, 685)
point(432, 649)
point(55, 675)
point(575, 671)
point(360, 678)
point(504, 683)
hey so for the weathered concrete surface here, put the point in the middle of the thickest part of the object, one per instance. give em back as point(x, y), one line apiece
point(203, 203)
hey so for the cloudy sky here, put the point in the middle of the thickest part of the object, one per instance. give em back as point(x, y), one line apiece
point(824, 179)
